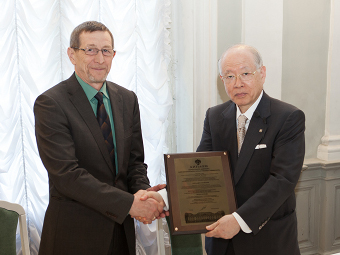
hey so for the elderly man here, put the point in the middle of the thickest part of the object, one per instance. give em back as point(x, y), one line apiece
point(265, 139)
point(89, 138)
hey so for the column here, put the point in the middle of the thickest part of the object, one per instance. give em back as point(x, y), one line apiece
point(329, 149)
point(194, 68)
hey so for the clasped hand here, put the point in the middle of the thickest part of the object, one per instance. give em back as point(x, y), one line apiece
point(148, 205)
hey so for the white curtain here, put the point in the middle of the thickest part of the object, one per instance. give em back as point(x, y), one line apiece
point(34, 36)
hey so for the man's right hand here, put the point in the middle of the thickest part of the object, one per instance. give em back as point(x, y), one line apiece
point(148, 209)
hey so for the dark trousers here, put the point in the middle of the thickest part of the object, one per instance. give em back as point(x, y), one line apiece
point(119, 244)
point(230, 249)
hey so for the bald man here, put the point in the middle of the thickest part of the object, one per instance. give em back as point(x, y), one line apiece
point(265, 139)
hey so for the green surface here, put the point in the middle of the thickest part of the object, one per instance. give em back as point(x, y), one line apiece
point(186, 244)
point(8, 228)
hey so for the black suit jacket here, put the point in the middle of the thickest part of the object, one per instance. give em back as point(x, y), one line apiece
point(264, 178)
point(85, 199)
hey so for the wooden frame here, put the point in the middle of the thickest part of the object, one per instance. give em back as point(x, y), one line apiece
point(200, 190)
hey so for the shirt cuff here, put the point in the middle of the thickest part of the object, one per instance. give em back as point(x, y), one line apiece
point(245, 228)
point(164, 195)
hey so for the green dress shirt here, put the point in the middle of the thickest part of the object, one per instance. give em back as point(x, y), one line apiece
point(90, 93)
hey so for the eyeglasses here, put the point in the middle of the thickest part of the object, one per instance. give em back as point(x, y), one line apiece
point(94, 51)
point(230, 79)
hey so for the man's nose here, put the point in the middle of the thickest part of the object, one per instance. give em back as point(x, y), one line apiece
point(99, 57)
point(238, 82)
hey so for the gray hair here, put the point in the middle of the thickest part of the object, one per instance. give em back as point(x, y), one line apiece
point(87, 26)
point(257, 56)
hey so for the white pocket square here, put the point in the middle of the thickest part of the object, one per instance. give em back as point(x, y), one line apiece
point(260, 146)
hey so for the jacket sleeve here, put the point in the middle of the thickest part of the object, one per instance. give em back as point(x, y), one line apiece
point(136, 169)
point(206, 140)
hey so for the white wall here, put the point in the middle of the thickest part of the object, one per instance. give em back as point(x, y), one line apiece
point(300, 44)
point(293, 38)
point(305, 53)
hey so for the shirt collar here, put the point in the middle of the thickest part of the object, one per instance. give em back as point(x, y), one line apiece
point(249, 113)
point(90, 91)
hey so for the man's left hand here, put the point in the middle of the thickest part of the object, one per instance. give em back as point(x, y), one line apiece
point(226, 227)
point(157, 187)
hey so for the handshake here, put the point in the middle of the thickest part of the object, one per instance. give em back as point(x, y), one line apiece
point(148, 205)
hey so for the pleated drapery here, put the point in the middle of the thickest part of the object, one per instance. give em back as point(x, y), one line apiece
point(34, 36)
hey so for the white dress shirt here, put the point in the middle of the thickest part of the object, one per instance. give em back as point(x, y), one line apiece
point(164, 195)
point(249, 114)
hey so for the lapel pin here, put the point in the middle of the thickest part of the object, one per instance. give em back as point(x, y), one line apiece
point(260, 130)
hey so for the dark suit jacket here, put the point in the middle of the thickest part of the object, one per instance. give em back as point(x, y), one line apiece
point(85, 200)
point(264, 178)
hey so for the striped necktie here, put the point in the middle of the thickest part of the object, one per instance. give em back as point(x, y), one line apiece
point(241, 131)
point(105, 125)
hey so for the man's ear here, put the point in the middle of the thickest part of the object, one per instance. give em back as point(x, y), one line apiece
point(71, 54)
point(263, 73)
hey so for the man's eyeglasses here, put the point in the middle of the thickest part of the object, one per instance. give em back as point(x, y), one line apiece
point(230, 79)
point(94, 51)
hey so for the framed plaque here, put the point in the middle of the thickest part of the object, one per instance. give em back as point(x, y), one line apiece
point(200, 190)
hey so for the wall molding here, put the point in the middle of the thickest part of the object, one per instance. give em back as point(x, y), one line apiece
point(318, 207)
point(329, 149)
point(306, 196)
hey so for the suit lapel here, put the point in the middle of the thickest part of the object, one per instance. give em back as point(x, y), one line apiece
point(228, 132)
point(82, 104)
point(255, 133)
point(117, 113)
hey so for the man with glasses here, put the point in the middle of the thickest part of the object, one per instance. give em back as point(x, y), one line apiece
point(265, 140)
point(89, 138)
